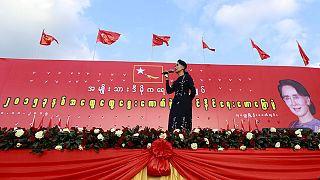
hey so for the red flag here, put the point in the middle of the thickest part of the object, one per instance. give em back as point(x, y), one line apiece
point(47, 39)
point(303, 55)
point(262, 54)
point(204, 46)
point(159, 40)
point(41, 122)
point(107, 37)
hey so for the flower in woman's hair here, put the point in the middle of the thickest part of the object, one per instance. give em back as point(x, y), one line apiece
point(119, 133)
point(181, 137)
point(194, 146)
point(58, 147)
point(18, 145)
point(96, 131)
point(163, 135)
point(243, 147)
point(39, 134)
point(297, 147)
point(277, 145)
point(273, 129)
point(249, 135)
point(197, 130)
point(206, 140)
point(100, 137)
point(19, 132)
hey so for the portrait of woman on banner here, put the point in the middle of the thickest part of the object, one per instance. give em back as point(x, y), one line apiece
point(298, 100)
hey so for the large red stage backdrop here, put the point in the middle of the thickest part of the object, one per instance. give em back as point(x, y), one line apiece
point(114, 94)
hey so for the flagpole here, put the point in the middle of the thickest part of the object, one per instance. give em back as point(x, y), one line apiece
point(94, 51)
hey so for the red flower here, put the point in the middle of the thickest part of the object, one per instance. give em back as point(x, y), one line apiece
point(32, 139)
point(47, 135)
point(252, 143)
point(130, 144)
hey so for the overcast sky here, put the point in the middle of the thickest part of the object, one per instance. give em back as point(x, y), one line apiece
point(226, 25)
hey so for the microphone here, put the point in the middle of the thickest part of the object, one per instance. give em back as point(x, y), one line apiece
point(167, 72)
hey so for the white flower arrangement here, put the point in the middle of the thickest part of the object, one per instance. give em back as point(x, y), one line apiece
point(297, 147)
point(19, 132)
point(277, 145)
point(58, 147)
point(119, 133)
point(249, 135)
point(243, 147)
point(194, 146)
point(100, 137)
point(39, 135)
point(96, 131)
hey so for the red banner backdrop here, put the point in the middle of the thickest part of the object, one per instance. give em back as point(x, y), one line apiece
point(110, 93)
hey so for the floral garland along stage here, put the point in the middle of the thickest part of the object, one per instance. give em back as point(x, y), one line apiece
point(40, 139)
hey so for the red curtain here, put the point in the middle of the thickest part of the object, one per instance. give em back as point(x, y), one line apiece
point(191, 164)
point(249, 164)
point(107, 164)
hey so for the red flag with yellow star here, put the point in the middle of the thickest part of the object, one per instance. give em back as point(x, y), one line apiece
point(47, 39)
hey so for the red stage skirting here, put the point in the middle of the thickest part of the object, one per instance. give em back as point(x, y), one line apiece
point(191, 164)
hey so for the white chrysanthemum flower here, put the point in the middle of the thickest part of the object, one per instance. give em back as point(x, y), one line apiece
point(249, 135)
point(149, 145)
point(66, 130)
point(119, 133)
point(194, 146)
point(163, 135)
point(277, 145)
point(19, 132)
point(220, 149)
point(273, 129)
point(297, 147)
point(80, 147)
point(39, 135)
point(136, 134)
point(18, 145)
point(112, 129)
point(177, 130)
point(58, 147)
point(243, 148)
point(228, 133)
point(206, 140)
point(181, 137)
point(197, 130)
point(100, 137)
point(96, 131)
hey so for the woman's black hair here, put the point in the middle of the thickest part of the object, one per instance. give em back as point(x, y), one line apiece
point(301, 90)
point(184, 64)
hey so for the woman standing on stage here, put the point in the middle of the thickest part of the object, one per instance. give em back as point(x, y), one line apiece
point(180, 116)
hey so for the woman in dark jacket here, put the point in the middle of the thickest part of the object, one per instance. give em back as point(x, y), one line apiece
point(180, 116)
